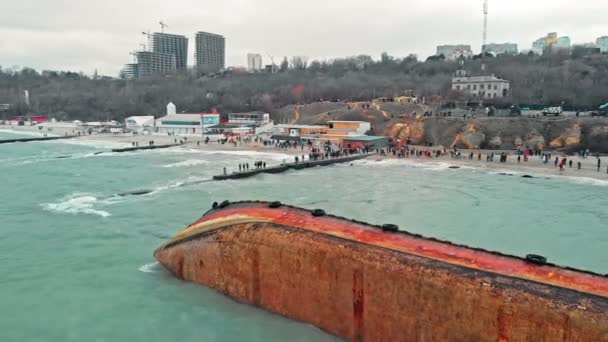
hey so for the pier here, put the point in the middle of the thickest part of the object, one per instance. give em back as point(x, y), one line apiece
point(291, 166)
point(139, 148)
point(24, 140)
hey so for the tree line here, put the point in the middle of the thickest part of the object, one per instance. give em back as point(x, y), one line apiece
point(554, 79)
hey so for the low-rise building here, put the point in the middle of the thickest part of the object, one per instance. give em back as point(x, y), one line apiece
point(139, 124)
point(488, 87)
point(250, 118)
point(179, 124)
point(501, 49)
point(370, 141)
point(333, 131)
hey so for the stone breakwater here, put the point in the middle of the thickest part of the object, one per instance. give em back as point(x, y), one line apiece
point(375, 283)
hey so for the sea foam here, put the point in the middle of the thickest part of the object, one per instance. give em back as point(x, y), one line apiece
point(187, 163)
point(76, 204)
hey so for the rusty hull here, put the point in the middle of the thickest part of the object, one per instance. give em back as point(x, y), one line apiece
point(358, 282)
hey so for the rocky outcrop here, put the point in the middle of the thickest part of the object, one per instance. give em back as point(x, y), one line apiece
point(412, 129)
point(570, 137)
point(495, 142)
point(471, 137)
point(535, 141)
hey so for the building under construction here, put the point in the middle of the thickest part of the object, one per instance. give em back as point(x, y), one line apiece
point(150, 62)
point(172, 44)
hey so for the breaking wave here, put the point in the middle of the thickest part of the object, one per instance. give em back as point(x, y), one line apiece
point(152, 267)
point(77, 204)
point(187, 163)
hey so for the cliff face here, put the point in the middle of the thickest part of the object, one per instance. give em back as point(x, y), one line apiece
point(504, 133)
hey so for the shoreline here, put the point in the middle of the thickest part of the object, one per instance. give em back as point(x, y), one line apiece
point(534, 166)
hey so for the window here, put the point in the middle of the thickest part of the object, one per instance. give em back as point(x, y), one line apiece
point(482, 86)
point(495, 87)
point(474, 86)
point(468, 87)
point(494, 95)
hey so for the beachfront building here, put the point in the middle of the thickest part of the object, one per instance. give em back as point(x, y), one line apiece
point(366, 141)
point(139, 124)
point(179, 124)
point(249, 118)
point(488, 87)
point(333, 131)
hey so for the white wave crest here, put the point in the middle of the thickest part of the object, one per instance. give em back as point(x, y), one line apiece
point(25, 132)
point(76, 204)
point(186, 163)
point(581, 180)
point(152, 267)
point(255, 154)
point(99, 144)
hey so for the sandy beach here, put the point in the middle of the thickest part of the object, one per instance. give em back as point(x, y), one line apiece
point(534, 166)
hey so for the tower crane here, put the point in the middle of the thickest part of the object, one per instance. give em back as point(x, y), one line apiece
point(271, 61)
point(163, 26)
point(134, 57)
point(149, 36)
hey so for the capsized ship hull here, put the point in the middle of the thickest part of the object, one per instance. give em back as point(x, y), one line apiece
point(365, 283)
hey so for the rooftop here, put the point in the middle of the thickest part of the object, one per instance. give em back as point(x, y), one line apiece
point(301, 126)
point(466, 79)
point(365, 138)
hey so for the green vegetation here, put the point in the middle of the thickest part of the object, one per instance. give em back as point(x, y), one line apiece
point(580, 82)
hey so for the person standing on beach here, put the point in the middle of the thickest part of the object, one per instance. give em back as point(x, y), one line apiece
point(579, 165)
point(518, 158)
point(240, 167)
point(570, 163)
point(599, 164)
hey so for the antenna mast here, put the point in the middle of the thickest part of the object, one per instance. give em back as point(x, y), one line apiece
point(485, 27)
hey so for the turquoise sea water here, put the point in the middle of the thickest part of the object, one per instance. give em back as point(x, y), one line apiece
point(77, 263)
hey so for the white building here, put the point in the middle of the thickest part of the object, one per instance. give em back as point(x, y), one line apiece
point(254, 62)
point(453, 52)
point(488, 87)
point(179, 124)
point(501, 49)
point(139, 124)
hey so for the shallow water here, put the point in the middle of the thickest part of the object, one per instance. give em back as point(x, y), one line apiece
point(77, 257)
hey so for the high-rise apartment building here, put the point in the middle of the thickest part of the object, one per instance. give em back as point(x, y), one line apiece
point(550, 41)
point(210, 52)
point(254, 62)
point(172, 44)
point(149, 63)
point(602, 43)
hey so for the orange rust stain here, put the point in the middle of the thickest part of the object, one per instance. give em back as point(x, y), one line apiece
point(470, 258)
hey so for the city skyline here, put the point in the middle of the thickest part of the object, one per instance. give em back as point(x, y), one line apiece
point(67, 37)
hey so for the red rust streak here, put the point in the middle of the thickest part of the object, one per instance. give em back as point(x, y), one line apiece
point(452, 254)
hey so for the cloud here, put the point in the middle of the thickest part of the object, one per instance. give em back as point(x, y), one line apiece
point(86, 35)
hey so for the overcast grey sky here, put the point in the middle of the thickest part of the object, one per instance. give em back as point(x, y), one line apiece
point(83, 35)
